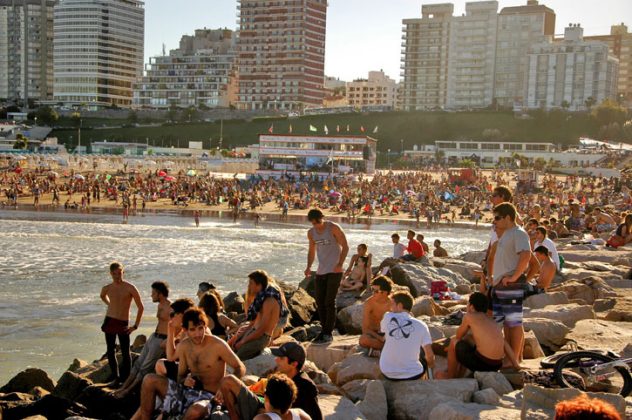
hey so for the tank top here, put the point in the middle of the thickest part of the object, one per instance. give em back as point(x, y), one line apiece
point(327, 249)
point(275, 416)
point(217, 330)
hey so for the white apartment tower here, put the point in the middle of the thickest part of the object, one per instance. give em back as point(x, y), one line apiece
point(425, 58)
point(99, 47)
point(471, 56)
point(378, 89)
point(26, 50)
point(518, 29)
point(567, 73)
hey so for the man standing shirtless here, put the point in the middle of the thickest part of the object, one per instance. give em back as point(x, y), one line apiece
point(374, 309)
point(118, 297)
point(203, 358)
point(154, 348)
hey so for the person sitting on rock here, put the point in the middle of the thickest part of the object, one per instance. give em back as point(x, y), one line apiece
point(242, 402)
point(264, 313)
point(374, 309)
point(280, 394)
point(414, 250)
point(439, 251)
point(175, 334)
point(483, 349)
point(359, 272)
point(404, 337)
point(547, 269)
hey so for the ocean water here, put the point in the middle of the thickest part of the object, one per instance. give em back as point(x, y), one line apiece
point(53, 266)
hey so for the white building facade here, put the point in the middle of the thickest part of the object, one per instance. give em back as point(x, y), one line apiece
point(567, 73)
point(99, 47)
point(26, 50)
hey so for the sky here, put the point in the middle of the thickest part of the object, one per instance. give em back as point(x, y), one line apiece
point(362, 35)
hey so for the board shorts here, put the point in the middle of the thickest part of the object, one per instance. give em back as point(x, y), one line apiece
point(467, 355)
point(179, 398)
point(114, 326)
point(507, 306)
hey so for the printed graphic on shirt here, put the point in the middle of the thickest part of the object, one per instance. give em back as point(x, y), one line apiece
point(398, 331)
point(322, 242)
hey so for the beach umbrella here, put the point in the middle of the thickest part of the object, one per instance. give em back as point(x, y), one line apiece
point(170, 178)
point(191, 172)
point(79, 176)
point(410, 193)
point(335, 194)
point(108, 176)
point(162, 173)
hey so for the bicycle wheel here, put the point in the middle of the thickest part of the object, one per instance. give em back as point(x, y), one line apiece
point(550, 361)
point(574, 365)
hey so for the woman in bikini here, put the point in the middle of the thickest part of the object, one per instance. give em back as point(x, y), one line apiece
point(359, 271)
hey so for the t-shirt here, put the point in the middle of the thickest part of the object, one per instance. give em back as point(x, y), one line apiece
point(415, 248)
point(510, 245)
point(550, 245)
point(404, 336)
point(398, 250)
point(307, 396)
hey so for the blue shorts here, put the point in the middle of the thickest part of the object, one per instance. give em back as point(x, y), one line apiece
point(507, 306)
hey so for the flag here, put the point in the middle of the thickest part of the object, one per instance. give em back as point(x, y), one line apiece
point(347, 128)
point(312, 128)
point(326, 130)
point(331, 157)
point(338, 129)
point(290, 130)
point(375, 130)
point(271, 129)
point(362, 128)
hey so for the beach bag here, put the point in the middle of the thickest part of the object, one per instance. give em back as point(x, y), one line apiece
point(438, 287)
point(616, 241)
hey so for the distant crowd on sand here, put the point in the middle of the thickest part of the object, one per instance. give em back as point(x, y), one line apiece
point(182, 368)
point(426, 197)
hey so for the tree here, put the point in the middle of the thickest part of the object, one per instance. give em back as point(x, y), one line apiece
point(132, 117)
point(46, 115)
point(565, 105)
point(539, 164)
point(21, 142)
point(609, 112)
point(589, 102)
point(440, 156)
point(467, 163)
point(190, 114)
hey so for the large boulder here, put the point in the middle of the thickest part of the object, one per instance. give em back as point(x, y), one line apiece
point(619, 256)
point(597, 333)
point(355, 390)
point(234, 302)
point(356, 366)
point(620, 315)
point(324, 356)
point(475, 257)
point(531, 348)
point(618, 270)
point(350, 319)
point(541, 300)
point(345, 299)
point(486, 396)
point(539, 403)
point(587, 289)
point(418, 278)
point(336, 407)
point(414, 400)
point(425, 305)
point(456, 410)
point(261, 365)
point(551, 334)
point(465, 268)
point(567, 314)
point(70, 385)
point(27, 380)
point(493, 380)
point(50, 406)
point(374, 405)
point(302, 307)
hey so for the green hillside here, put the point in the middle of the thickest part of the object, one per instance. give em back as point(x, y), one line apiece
point(413, 127)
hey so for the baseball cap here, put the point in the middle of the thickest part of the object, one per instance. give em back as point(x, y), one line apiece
point(292, 350)
point(205, 287)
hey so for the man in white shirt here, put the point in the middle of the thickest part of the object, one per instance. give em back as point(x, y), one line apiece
point(541, 238)
point(399, 249)
point(404, 336)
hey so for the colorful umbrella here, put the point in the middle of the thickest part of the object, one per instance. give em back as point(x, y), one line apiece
point(191, 172)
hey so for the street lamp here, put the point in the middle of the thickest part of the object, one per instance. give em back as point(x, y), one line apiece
point(402, 143)
point(388, 158)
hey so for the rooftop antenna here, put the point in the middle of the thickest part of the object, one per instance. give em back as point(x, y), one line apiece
point(164, 49)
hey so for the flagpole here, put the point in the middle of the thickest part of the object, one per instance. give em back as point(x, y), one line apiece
point(332, 163)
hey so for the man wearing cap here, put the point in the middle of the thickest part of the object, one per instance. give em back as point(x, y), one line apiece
point(244, 404)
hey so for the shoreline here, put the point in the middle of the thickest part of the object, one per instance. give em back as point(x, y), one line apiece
point(294, 216)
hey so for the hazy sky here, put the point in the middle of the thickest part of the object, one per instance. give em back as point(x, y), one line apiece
point(362, 35)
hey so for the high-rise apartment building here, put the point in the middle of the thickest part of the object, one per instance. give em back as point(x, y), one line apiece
point(472, 56)
point(378, 89)
point(620, 45)
point(567, 73)
point(425, 58)
point(518, 29)
point(26, 50)
point(281, 53)
point(199, 73)
point(99, 47)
